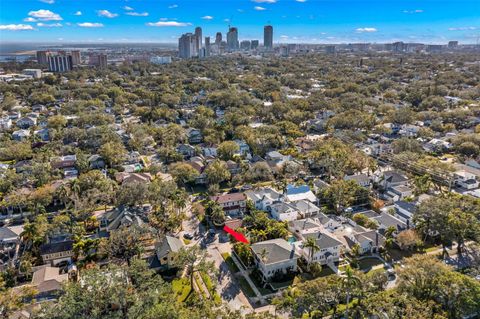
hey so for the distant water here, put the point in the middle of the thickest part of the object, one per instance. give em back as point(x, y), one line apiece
point(24, 51)
point(12, 51)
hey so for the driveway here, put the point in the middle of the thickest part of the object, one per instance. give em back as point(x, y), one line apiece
point(227, 287)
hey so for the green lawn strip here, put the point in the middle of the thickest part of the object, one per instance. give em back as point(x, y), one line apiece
point(199, 284)
point(208, 283)
point(182, 288)
point(247, 290)
point(230, 263)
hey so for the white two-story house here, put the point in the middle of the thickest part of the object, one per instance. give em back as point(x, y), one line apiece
point(274, 257)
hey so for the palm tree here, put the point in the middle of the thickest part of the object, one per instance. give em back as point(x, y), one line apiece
point(312, 246)
point(29, 235)
point(349, 281)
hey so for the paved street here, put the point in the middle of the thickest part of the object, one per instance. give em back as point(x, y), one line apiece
point(227, 287)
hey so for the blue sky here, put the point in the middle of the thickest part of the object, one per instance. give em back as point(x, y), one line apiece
point(309, 21)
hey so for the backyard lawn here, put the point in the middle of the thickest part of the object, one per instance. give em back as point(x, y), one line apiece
point(247, 290)
point(231, 264)
point(367, 263)
point(182, 288)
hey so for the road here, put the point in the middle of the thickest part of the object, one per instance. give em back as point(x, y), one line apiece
point(227, 287)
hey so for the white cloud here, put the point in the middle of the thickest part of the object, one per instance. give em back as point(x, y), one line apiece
point(47, 25)
point(15, 27)
point(30, 19)
point(78, 13)
point(168, 24)
point(264, 1)
point(284, 36)
point(207, 18)
point(127, 8)
point(48, 1)
point(45, 15)
point(259, 8)
point(362, 30)
point(90, 25)
point(462, 29)
point(137, 14)
point(302, 1)
point(106, 14)
point(173, 6)
point(413, 11)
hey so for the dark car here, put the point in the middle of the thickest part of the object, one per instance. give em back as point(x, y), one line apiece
point(188, 236)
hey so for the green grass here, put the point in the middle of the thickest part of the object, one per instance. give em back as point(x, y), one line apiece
point(247, 290)
point(208, 283)
point(368, 263)
point(230, 263)
point(182, 288)
point(257, 282)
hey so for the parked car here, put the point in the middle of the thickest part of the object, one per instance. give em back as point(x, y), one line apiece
point(188, 236)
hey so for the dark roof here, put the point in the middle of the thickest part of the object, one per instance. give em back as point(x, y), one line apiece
point(6, 233)
point(409, 207)
point(277, 250)
point(394, 177)
point(52, 248)
point(323, 240)
point(168, 244)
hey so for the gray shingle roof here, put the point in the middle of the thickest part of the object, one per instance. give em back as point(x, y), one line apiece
point(323, 240)
point(277, 250)
point(168, 244)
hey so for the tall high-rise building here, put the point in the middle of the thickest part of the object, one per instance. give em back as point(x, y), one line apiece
point(60, 62)
point(268, 36)
point(187, 46)
point(218, 38)
point(207, 47)
point(232, 39)
point(42, 57)
point(254, 44)
point(98, 60)
point(245, 45)
point(76, 59)
point(452, 44)
point(198, 35)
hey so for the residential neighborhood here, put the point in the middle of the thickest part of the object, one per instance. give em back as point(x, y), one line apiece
point(248, 185)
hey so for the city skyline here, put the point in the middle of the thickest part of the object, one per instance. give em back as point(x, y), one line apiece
point(295, 21)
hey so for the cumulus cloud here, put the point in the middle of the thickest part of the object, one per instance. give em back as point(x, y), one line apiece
point(137, 14)
point(45, 15)
point(207, 18)
point(78, 13)
point(30, 19)
point(168, 24)
point(90, 25)
point(362, 30)
point(48, 1)
point(49, 25)
point(413, 11)
point(15, 27)
point(127, 8)
point(258, 8)
point(264, 1)
point(302, 1)
point(106, 14)
point(462, 29)
point(173, 6)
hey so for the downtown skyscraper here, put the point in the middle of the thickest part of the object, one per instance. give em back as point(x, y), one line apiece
point(268, 37)
point(232, 39)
